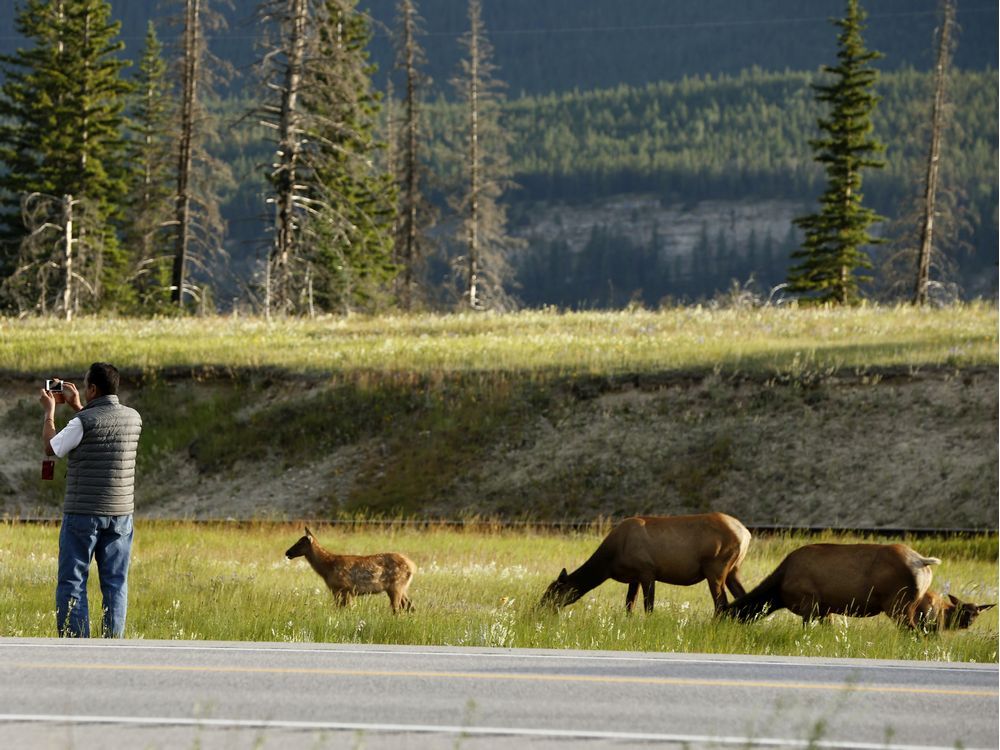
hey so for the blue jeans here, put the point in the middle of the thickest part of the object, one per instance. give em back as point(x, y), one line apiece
point(82, 539)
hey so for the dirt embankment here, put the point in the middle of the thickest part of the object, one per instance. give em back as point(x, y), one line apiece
point(891, 449)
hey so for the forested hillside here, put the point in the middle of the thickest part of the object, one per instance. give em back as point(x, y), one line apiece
point(659, 151)
point(745, 138)
point(730, 138)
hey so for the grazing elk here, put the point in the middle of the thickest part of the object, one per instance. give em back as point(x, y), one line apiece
point(680, 550)
point(935, 612)
point(860, 580)
point(348, 576)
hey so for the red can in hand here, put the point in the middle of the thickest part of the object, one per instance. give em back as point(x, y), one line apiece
point(48, 468)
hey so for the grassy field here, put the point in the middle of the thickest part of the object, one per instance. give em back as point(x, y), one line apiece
point(473, 588)
point(762, 340)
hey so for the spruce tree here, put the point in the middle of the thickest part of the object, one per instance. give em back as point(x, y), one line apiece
point(415, 217)
point(149, 201)
point(333, 206)
point(198, 227)
point(62, 149)
point(351, 258)
point(483, 268)
point(831, 257)
point(282, 73)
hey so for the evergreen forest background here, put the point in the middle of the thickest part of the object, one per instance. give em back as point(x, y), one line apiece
point(660, 150)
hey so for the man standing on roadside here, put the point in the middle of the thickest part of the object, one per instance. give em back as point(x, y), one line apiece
point(101, 442)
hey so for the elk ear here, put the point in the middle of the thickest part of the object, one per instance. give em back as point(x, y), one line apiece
point(955, 600)
point(562, 575)
point(982, 607)
point(309, 533)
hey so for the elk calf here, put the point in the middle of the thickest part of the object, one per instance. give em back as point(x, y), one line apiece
point(348, 576)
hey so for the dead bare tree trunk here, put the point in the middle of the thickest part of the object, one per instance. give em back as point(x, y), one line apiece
point(934, 153)
point(483, 269)
point(410, 158)
point(392, 158)
point(189, 82)
point(473, 226)
point(289, 149)
point(68, 257)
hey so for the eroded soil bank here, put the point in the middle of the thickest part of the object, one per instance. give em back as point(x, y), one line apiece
point(888, 448)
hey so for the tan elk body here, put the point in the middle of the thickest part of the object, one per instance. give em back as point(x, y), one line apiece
point(348, 576)
point(860, 580)
point(680, 550)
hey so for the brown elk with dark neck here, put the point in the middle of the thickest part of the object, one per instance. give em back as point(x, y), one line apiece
point(348, 576)
point(859, 580)
point(679, 550)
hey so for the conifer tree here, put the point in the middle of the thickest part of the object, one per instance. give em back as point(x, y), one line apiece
point(351, 257)
point(831, 253)
point(192, 52)
point(282, 73)
point(333, 207)
point(483, 268)
point(198, 226)
point(149, 204)
point(415, 216)
point(61, 146)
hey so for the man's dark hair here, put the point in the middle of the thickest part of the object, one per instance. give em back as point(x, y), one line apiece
point(105, 377)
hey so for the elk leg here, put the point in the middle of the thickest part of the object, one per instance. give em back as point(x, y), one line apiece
point(631, 596)
point(734, 584)
point(718, 591)
point(715, 575)
point(906, 606)
point(911, 617)
point(648, 592)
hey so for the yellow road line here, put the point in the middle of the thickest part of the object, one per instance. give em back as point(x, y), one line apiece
point(513, 676)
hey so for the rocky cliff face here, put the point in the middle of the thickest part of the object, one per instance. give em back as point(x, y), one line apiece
point(679, 226)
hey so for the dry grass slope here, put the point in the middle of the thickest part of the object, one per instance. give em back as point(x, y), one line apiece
point(859, 417)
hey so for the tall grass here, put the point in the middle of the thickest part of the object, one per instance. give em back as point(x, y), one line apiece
point(781, 340)
point(472, 588)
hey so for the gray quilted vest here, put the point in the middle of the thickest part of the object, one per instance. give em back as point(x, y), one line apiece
point(100, 477)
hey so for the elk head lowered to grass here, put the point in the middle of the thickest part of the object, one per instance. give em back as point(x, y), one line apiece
point(680, 550)
point(860, 580)
point(348, 576)
point(936, 612)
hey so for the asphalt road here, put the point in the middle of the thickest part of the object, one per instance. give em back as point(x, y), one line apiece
point(197, 694)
